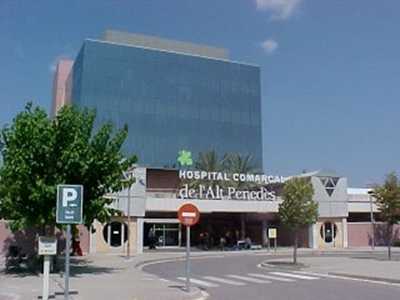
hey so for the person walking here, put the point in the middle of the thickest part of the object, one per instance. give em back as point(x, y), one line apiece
point(152, 238)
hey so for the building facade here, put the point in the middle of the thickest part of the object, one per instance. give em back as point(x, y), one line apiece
point(179, 96)
point(172, 95)
point(344, 214)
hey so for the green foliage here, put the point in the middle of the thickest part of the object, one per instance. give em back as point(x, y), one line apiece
point(236, 163)
point(298, 210)
point(387, 198)
point(211, 162)
point(40, 152)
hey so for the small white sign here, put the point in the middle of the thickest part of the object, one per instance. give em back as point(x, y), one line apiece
point(272, 234)
point(47, 245)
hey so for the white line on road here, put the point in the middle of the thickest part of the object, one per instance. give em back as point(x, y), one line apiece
point(271, 277)
point(223, 280)
point(344, 277)
point(199, 282)
point(244, 278)
point(298, 276)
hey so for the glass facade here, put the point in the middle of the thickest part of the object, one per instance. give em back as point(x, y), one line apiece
point(171, 101)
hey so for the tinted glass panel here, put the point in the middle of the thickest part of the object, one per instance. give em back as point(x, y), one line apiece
point(171, 101)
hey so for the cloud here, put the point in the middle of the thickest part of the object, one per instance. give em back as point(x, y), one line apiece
point(269, 46)
point(279, 9)
point(69, 54)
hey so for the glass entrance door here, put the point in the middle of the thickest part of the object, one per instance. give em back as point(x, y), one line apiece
point(167, 234)
point(328, 233)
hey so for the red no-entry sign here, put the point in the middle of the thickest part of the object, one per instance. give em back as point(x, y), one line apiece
point(188, 214)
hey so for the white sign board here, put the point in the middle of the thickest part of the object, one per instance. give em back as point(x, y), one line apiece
point(272, 234)
point(47, 245)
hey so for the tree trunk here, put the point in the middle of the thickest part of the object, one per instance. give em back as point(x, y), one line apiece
point(295, 246)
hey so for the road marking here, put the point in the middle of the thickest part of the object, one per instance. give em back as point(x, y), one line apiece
point(199, 282)
point(353, 278)
point(271, 277)
point(312, 274)
point(223, 280)
point(244, 278)
point(298, 276)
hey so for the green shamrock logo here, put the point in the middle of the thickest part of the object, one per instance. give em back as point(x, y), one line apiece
point(185, 158)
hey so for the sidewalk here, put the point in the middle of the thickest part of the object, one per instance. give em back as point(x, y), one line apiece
point(99, 276)
point(361, 264)
point(106, 276)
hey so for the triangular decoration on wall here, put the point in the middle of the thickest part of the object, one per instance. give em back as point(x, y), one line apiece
point(329, 183)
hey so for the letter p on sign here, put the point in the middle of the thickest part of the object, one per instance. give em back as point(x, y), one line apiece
point(69, 194)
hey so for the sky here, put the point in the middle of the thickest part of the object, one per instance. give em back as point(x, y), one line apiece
point(330, 69)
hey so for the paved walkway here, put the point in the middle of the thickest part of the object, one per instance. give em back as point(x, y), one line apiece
point(102, 276)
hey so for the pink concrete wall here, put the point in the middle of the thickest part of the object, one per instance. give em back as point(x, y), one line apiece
point(359, 234)
point(61, 86)
point(26, 239)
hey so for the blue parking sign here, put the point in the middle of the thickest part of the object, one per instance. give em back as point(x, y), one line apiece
point(69, 204)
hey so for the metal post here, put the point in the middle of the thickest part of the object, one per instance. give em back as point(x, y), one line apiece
point(67, 262)
point(46, 276)
point(372, 221)
point(188, 259)
point(128, 244)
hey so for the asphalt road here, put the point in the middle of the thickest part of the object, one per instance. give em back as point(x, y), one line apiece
point(242, 278)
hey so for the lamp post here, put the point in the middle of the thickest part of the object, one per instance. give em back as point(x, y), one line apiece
point(128, 244)
point(128, 176)
point(370, 193)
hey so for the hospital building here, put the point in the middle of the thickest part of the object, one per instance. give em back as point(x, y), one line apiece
point(177, 96)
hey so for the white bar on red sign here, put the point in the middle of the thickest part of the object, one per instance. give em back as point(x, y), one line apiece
point(187, 214)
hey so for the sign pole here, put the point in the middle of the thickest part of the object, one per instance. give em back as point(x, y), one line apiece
point(188, 215)
point(67, 262)
point(188, 259)
point(128, 244)
point(46, 276)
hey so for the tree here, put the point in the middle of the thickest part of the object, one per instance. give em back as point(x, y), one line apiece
point(40, 152)
point(298, 210)
point(210, 162)
point(236, 163)
point(388, 200)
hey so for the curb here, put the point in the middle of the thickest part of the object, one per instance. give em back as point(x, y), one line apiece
point(362, 277)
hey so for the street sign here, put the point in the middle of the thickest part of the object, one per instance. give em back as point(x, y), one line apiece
point(188, 214)
point(47, 245)
point(69, 204)
point(272, 233)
